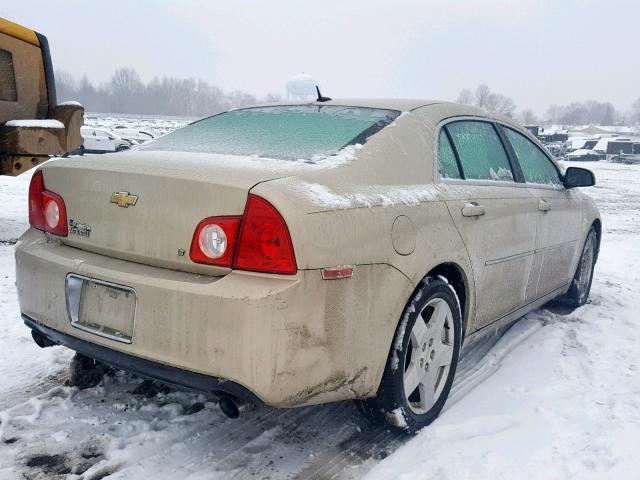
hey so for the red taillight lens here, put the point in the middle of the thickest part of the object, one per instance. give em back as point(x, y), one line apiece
point(264, 243)
point(46, 209)
point(36, 214)
point(214, 241)
point(259, 241)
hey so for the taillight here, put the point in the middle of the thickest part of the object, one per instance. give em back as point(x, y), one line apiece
point(36, 214)
point(259, 241)
point(264, 243)
point(214, 241)
point(46, 209)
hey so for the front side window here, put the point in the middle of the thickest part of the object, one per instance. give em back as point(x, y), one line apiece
point(8, 92)
point(307, 133)
point(448, 165)
point(536, 166)
point(480, 150)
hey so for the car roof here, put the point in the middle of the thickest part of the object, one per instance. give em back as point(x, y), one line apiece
point(443, 108)
point(401, 104)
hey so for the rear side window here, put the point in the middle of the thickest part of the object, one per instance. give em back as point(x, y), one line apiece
point(448, 165)
point(8, 92)
point(480, 150)
point(307, 133)
point(536, 166)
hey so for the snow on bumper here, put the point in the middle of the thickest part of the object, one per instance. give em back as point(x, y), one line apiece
point(289, 340)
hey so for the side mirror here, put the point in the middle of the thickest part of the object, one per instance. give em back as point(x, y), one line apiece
point(578, 177)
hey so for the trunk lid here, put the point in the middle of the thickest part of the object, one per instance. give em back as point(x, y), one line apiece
point(173, 192)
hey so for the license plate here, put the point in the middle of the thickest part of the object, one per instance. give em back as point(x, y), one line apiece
point(102, 308)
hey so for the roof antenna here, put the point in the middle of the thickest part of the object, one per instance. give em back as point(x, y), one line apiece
point(320, 97)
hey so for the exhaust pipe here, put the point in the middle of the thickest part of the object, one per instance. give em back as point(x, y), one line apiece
point(41, 340)
point(232, 406)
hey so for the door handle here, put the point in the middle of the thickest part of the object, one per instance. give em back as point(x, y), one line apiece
point(473, 210)
point(544, 206)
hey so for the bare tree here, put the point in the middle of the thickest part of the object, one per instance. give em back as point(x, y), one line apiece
point(484, 98)
point(635, 111)
point(66, 84)
point(590, 112)
point(466, 97)
point(552, 114)
point(127, 93)
point(126, 88)
point(241, 99)
point(528, 117)
point(500, 104)
point(272, 98)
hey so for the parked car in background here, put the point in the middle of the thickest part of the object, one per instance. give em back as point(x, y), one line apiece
point(557, 149)
point(301, 254)
point(585, 155)
point(133, 135)
point(100, 140)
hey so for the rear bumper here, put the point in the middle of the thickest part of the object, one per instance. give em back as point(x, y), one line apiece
point(289, 341)
point(143, 367)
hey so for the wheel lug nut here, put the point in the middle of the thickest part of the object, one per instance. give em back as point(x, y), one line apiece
point(430, 341)
point(432, 354)
point(426, 367)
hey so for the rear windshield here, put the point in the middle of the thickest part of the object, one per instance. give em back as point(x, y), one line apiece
point(307, 132)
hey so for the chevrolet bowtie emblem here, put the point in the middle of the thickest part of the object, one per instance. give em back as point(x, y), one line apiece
point(124, 199)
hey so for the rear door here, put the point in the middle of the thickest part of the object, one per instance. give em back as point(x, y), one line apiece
point(495, 215)
point(558, 217)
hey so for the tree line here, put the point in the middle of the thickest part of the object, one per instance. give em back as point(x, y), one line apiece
point(125, 92)
point(591, 112)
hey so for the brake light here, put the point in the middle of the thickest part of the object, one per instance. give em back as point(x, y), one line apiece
point(36, 214)
point(47, 210)
point(264, 243)
point(214, 241)
point(259, 241)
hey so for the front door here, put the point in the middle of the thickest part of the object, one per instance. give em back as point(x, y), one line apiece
point(558, 216)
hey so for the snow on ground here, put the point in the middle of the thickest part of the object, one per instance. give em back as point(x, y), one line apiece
point(563, 400)
point(155, 124)
point(14, 210)
point(555, 396)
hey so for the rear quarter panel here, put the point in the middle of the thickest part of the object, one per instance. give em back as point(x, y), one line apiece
point(346, 216)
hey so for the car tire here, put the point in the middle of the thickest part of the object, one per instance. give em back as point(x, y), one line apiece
point(578, 292)
point(425, 350)
point(85, 372)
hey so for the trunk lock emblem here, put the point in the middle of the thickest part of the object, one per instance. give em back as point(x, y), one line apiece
point(124, 199)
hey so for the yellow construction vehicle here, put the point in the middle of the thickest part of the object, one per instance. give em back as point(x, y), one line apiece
point(33, 126)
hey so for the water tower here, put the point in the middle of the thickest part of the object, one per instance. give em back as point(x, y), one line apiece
point(302, 87)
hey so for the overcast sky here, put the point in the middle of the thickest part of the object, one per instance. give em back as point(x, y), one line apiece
point(537, 52)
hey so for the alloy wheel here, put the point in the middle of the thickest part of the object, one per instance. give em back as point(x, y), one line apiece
point(429, 355)
point(586, 267)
